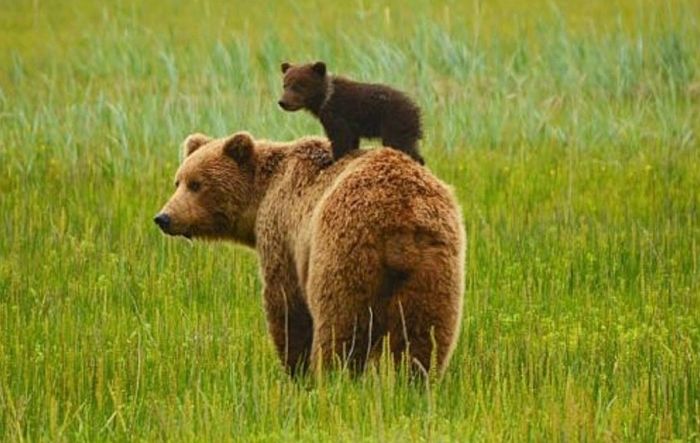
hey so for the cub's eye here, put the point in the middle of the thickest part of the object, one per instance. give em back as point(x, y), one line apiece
point(296, 87)
point(177, 184)
point(194, 186)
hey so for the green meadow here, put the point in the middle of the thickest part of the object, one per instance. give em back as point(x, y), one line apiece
point(569, 131)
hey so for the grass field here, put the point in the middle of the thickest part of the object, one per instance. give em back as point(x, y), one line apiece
point(569, 131)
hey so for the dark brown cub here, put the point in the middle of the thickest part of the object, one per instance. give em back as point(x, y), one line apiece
point(350, 110)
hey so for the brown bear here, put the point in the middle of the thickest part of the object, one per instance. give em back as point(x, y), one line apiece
point(371, 247)
point(349, 110)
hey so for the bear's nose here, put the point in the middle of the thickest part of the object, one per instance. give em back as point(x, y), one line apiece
point(282, 105)
point(162, 220)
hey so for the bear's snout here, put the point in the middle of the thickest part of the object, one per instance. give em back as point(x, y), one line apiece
point(163, 221)
point(290, 104)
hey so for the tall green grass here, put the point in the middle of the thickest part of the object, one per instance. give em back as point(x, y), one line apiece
point(570, 135)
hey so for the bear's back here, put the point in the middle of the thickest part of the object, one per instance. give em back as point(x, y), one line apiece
point(382, 189)
point(379, 190)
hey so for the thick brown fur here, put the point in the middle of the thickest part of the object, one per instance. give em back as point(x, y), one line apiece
point(369, 248)
point(350, 110)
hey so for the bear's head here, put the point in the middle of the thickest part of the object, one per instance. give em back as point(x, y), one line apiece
point(213, 190)
point(305, 86)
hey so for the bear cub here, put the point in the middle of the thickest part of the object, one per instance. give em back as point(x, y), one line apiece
point(349, 110)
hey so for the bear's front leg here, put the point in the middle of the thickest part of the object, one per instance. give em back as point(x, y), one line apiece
point(339, 132)
point(290, 325)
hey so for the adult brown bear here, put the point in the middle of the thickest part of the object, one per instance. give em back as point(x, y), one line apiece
point(369, 248)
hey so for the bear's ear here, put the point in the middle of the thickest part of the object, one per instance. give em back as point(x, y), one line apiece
point(239, 147)
point(319, 68)
point(285, 66)
point(194, 142)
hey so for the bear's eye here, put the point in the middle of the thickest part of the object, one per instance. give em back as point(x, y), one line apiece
point(193, 186)
point(296, 87)
point(177, 184)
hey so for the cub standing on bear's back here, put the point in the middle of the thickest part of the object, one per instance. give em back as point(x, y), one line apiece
point(349, 110)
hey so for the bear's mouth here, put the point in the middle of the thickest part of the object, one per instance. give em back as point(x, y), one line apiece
point(214, 229)
point(287, 106)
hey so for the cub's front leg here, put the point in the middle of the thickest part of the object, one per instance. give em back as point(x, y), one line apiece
point(341, 134)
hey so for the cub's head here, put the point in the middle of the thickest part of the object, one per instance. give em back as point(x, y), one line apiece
point(305, 86)
point(213, 189)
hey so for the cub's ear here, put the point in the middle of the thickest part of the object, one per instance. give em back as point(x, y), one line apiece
point(319, 68)
point(285, 66)
point(239, 147)
point(194, 142)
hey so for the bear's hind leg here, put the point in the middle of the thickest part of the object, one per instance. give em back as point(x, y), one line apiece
point(403, 143)
point(348, 317)
point(423, 318)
